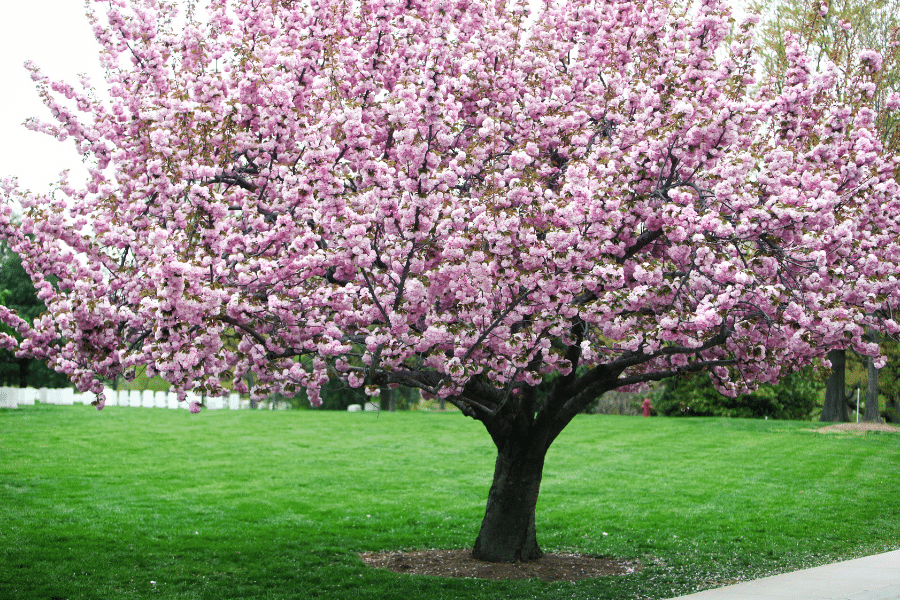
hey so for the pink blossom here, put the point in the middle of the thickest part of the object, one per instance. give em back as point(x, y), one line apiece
point(434, 203)
point(871, 59)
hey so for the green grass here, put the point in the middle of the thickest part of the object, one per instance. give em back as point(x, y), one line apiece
point(276, 504)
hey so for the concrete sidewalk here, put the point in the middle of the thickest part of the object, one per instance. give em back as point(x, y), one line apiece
point(869, 578)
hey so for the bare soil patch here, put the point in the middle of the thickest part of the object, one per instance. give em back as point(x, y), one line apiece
point(459, 563)
point(859, 428)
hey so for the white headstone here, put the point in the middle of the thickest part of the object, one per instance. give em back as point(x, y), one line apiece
point(354, 408)
point(371, 406)
point(67, 396)
point(8, 398)
point(234, 401)
point(27, 396)
point(20, 395)
point(172, 400)
point(215, 403)
point(191, 397)
point(160, 399)
point(147, 398)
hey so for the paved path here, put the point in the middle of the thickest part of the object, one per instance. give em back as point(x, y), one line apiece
point(870, 578)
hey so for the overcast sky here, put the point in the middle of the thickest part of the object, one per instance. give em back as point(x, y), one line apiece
point(54, 34)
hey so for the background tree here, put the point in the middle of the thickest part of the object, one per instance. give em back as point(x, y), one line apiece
point(794, 397)
point(889, 382)
point(888, 379)
point(455, 197)
point(837, 31)
point(337, 395)
point(837, 397)
point(17, 293)
point(872, 414)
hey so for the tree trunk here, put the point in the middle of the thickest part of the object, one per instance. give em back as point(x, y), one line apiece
point(387, 399)
point(508, 532)
point(835, 408)
point(23, 371)
point(892, 410)
point(872, 414)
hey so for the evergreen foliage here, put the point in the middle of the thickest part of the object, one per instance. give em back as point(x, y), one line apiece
point(18, 293)
point(794, 397)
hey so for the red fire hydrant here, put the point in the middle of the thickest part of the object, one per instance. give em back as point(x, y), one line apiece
point(646, 406)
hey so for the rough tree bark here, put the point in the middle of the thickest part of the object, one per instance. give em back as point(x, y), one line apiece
point(835, 408)
point(508, 532)
point(523, 426)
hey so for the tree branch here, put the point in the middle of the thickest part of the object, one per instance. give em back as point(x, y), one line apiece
point(496, 322)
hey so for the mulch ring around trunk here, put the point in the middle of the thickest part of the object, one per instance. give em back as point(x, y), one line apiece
point(459, 563)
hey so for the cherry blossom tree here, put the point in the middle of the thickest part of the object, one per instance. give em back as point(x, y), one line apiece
point(512, 209)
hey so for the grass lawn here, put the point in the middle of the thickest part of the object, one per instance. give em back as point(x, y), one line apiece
point(149, 503)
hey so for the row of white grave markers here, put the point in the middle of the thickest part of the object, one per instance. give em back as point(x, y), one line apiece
point(14, 397)
point(370, 406)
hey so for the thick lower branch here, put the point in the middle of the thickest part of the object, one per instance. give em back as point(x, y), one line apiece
point(660, 375)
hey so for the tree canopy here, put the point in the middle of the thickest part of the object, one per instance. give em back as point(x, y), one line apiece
point(460, 196)
point(18, 294)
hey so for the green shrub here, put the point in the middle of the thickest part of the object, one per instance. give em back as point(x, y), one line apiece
point(337, 395)
point(795, 397)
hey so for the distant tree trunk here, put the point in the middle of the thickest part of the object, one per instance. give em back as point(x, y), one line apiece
point(387, 399)
point(250, 378)
point(508, 532)
point(835, 408)
point(892, 410)
point(872, 414)
point(23, 363)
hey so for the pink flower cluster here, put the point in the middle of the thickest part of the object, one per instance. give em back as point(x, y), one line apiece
point(445, 193)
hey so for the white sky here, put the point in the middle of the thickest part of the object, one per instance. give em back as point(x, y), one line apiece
point(56, 35)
